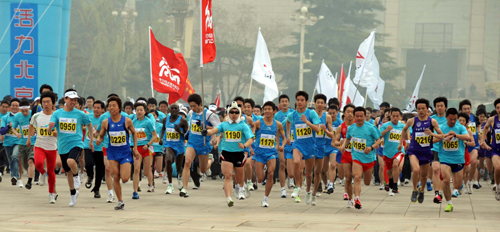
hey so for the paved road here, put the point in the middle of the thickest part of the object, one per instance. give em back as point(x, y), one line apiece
point(205, 209)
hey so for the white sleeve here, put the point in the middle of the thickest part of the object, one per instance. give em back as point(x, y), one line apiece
point(212, 118)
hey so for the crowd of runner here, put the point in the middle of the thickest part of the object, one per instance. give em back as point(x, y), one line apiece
point(440, 149)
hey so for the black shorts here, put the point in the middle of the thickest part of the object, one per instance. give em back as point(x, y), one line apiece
point(236, 158)
point(435, 157)
point(74, 153)
point(158, 154)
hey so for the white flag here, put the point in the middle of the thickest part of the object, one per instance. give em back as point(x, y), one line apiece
point(376, 92)
point(351, 93)
point(364, 71)
point(262, 71)
point(411, 104)
point(326, 83)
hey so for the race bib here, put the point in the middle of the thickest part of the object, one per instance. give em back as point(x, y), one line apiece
point(358, 144)
point(117, 138)
point(25, 130)
point(157, 141)
point(141, 134)
point(303, 131)
point(472, 127)
point(267, 141)
point(497, 136)
point(43, 131)
point(195, 129)
point(11, 132)
point(67, 125)
point(451, 145)
point(172, 135)
point(395, 135)
point(233, 136)
point(320, 134)
point(422, 139)
point(348, 147)
point(292, 139)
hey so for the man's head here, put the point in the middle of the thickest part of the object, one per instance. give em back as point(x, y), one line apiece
point(114, 105)
point(248, 106)
point(284, 101)
point(48, 100)
point(395, 115)
point(174, 110)
point(440, 103)
point(268, 108)
point(24, 106)
point(481, 115)
point(349, 112)
point(14, 105)
point(333, 110)
point(422, 105)
point(496, 104)
point(368, 113)
point(152, 103)
point(240, 101)
point(257, 110)
point(465, 106)
point(90, 102)
point(301, 99)
point(71, 98)
point(163, 107)
point(4, 107)
point(46, 88)
point(320, 101)
point(451, 116)
point(80, 103)
point(359, 115)
point(128, 107)
point(99, 108)
point(384, 105)
point(194, 101)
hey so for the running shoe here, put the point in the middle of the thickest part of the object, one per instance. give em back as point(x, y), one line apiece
point(255, 186)
point(297, 200)
point(357, 204)
point(429, 186)
point(313, 201)
point(241, 194)
point(407, 181)
point(20, 183)
point(183, 193)
point(455, 193)
point(494, 188)
point(164, 181)
point(330, 189)
point(350, 204)
point(157, 175)
point(0, 177)
point(497, 195)
point(449, 208)
point(264, 203)
point(346, 197)
point(135, 196)
point(414, 195)
point(28, 186)
point(291, 183)
point(97, 194)
point(170, 189)
point(438, 199)
point(76, 182)
point(250, 186)
point(120, 206)
point(295, 192)
point(111, 198)
point(342, 182)
point(246, 190)
point(151, 188)
point(283, 193)
point(421, 196)
point(387, 188)
point(477, 186)
point(264, 182)
point(391, 193)
point(469, 188)
point(72, 199)
point(308, 198)
point(179, 183)
point(41, 180)
point(88, 184)
point(381, 187)
point(230, 202)
point(395, 190)
point(460, 190)
point(203, 177)
point(52, 198)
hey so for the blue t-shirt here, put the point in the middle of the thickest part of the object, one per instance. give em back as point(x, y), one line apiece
point(95, 121)
point(103, 117)
point(305, 133)
point(288, 148)
point(22, 123)
point(280, 116)
point(156, 145)
point(473, 128)
point(10, 138)
point(361, 138)
point(392, 138)
point(328, 140)
point(144, 129)
point(234, 133)
point(371, 121)
point(69, 128)
point(453, 151)
point(440, 120)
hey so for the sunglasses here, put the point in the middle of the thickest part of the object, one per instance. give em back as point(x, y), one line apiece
point(234, 112)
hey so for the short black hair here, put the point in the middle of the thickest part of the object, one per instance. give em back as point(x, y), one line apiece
point(99, 102)
point(495, 103)
point(117, 100)
point(48, 94)
point(333, 107)
point(422, 101)
point(451, 111)
point(91, 97)
point(250, 101)
point(239, 98)
point(45, 86)
point(152, 101)
point(407, 116)
point(154, 112)
point(320, 96)
point(283, 96)
point(196, 98)
point(5, 101)
point(24, 102)
point(394, 109)
point(369, 109)
point(163, 102)
point(61, 101)
point(360, 109)
point(349, 106)
point(464, 115)
point(112, 95)
point(303, 94)
point(463, 103)
point(269, 103)
point(137, 104)
point(334, 101)
point(441, 99)
point(493, 113)
point(385, 104)
point(128, 103)
point(15, 100)
point(81, 101)
point(481, 111)
point(258, 106)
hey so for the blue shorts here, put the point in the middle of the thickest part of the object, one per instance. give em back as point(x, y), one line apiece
point(177, 151)
point(424, 157)
point(320, 152)
point(264, 157)
point(339, 157)
point(121, 157)
point(481, 153)
point(308, 151)
point(455, 167)
point(203, 150)
point(330, 150)
point(289, 154)
point(493, 152)
point(470, 149)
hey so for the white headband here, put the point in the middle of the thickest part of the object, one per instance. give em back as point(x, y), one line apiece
point(142, 101)
point(24, 107)
point(71, 94)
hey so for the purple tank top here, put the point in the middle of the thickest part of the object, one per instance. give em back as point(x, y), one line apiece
point(419, 140)
point(495, 134)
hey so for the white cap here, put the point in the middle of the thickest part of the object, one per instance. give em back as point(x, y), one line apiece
point(71, 94)
point(37, 99)
point(212, 107)
point(183, 112)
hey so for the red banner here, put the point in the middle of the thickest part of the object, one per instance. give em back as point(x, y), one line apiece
point(207, 33)
point(217, 100)
point(341, 86)
point(169, 71)
point(188, 90)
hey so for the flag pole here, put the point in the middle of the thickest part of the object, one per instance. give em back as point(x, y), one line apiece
point(201, 72)
point(348, 76)
point(150, 67)
point(250, 88)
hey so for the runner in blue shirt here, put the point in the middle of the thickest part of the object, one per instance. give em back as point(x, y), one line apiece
point(237, 136)
point(281, 116)
point(10, 139)
point(451, 154)
point(95, 157)
point(248, 106)
point(268, 132)
point(364, 139)
point(465, 106)
point(24, 152)
point(117, 127)
point(332, 152)
point(440, 104)
point(4, 110)
point(393, 158)
point(303, 122)
point(493, 126)
point(249, 174)
point(68, 122)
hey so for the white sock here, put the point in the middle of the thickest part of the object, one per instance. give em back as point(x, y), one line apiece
point(265, 198)
point(468, 182)
point(476, 182)
point(356, 198)
point(282, 188)
point(110, 192)
point(449, 202)
point(328, 182)
point(429, 180)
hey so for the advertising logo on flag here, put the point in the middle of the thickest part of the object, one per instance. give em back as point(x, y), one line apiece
point(207, 33)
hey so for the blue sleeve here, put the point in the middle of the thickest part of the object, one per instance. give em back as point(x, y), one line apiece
point(376, 133)
point(463, 130)
point(85, 118)
point(220, 127)
point(248, 132)
point(100, 122)
point(55, 117)
point(315, 118)
point(289, 117)
point(276, 116)
point(383, 127)
point(5, 127)
point(150, 126)
point(15, 123)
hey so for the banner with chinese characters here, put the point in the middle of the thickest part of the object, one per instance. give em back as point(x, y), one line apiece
point(33, 50)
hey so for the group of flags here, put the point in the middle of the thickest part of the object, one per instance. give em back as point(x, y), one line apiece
point(169, 72)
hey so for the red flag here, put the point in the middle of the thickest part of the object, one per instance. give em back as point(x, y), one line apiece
point(188, 90)
point(207, 33)
point(169, 71)
point(341, 85)
point(217, 100)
